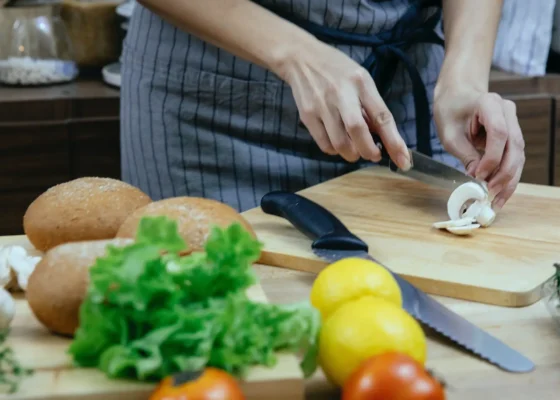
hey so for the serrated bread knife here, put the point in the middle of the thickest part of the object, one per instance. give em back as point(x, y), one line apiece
point(332, 241)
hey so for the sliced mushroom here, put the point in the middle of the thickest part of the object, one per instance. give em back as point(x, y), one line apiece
point(469, 191)
point(463, 230)
point(471, 200)
point(454, 223)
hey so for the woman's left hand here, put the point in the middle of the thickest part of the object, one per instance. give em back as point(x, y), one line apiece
point(481, 129)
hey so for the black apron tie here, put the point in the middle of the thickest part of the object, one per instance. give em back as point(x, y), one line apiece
point(388, 47)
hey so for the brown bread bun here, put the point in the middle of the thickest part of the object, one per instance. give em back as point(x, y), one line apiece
point(87, 208)
point(58, 285)
point(194, 216)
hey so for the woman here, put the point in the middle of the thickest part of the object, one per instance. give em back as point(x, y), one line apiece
point(230, 99)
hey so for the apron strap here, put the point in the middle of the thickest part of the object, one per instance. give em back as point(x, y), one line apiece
point(388, 47)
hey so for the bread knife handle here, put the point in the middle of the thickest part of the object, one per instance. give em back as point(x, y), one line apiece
point(311, 219)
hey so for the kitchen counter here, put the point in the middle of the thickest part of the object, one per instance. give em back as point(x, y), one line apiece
point(72, 130)
point(529, 330)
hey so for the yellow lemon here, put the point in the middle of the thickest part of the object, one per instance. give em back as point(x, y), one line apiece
point(363, 328)
point(349, 279)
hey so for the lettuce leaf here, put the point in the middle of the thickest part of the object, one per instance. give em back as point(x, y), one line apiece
point(150, 312)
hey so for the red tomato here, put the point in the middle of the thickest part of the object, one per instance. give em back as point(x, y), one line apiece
point(392, 376)
point(210, 384)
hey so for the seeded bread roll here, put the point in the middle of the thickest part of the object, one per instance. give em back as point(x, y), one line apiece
point(87, 208)
point(58, 285)
point(194, 215)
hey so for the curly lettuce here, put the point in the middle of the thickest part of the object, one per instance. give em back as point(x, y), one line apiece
point(150, 313)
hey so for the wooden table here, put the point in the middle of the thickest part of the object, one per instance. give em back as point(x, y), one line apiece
point(529, 330)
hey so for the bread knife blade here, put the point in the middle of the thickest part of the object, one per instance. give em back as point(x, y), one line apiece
point(332, 241)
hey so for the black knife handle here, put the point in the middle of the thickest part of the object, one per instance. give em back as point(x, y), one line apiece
point(311, 219)
point(385, 158)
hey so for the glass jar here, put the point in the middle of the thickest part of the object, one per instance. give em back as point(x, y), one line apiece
point(38, 50)
point(94, 31)
point(551, 296)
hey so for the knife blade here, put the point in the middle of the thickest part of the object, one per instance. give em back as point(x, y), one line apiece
point(432, 172)
point(428, 170)
point(332, 241)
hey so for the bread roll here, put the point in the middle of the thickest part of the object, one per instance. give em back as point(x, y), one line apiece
point(195, 217)
point(88, 208)
point(58, 285)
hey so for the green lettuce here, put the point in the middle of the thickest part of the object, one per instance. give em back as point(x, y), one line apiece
point(150, 312)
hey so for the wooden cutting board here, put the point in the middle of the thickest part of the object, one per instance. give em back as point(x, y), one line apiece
point(504, 264)
point(56, 379)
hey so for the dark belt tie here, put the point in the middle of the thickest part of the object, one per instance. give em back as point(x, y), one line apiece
point(388, 47)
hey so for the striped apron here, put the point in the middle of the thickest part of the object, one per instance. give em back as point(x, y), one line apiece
point(198, 121)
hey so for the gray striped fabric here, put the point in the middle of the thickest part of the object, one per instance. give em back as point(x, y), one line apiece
point(197, 121)
point(524, 37)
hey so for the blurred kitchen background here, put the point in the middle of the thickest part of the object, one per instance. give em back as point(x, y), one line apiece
point(60, 78)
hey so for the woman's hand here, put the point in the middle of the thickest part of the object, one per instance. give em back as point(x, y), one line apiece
point(482, 130)
point(339, 103)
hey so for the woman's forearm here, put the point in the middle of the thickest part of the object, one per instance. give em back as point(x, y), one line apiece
point(470, 28)
point(241, 27)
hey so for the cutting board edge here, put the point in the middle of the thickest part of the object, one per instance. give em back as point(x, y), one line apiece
point(253, 390)
point(495, 297)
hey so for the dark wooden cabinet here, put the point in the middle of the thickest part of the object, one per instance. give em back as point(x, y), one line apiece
point(95, 147)
point(53, 134)
point(537, 101)
point(535, 113)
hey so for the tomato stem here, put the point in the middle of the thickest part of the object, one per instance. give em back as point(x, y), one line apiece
point(437, 377)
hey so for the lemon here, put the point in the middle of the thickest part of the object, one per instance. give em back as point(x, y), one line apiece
point(349, 279)
point(363, 328)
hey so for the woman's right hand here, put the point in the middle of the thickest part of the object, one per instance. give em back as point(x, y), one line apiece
point(339, 104)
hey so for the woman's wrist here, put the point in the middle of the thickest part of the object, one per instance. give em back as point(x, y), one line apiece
point(292, 52)
point(459, 73)
point(470, 28)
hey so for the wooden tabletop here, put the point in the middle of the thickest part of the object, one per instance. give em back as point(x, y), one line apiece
point(529, 330)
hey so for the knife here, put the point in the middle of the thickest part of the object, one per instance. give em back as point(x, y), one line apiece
point(427, 170)
point(332, 241)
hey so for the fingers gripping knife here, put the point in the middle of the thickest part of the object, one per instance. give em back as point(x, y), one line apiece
point(332, 241)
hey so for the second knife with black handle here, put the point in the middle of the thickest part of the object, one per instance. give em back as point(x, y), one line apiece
point(332, 241)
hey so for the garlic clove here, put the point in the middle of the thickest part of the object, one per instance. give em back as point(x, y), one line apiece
point(7, 309)
point(454, 223)
point(463, 230)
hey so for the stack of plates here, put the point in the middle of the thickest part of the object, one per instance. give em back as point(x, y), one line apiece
point(112, 72)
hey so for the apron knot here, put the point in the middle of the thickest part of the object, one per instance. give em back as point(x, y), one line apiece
point(387, 49)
